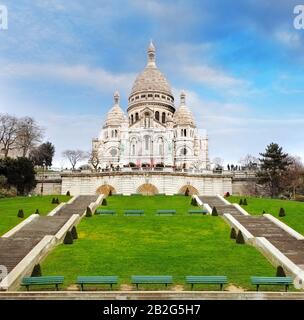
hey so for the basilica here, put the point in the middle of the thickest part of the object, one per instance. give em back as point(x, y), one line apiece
point(153, 133)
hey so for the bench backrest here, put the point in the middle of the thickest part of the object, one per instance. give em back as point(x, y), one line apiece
point(97, 279)
point(134, 211)
point(271, 280)
point(104, 211)
point(43, 280)
point(152, 279)
point(206, 279)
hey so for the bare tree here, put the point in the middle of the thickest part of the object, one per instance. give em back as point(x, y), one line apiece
point(28, 135)
point(74, 156)
point(218, 162)
point(94, 159)
point(9, 126)
point(294, 178)
point(249, 162)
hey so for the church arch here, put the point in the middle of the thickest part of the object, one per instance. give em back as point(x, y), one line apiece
point(147, 189)
point(157, 115)
point(105, 189)
point(192, 190)
point(163, 117)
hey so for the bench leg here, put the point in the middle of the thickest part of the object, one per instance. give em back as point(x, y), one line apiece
point(57, 288)
point(286, 287)
point(28, 288)
point(166, 284)
point(111, 284)
point(192, 285)
point(221, 286)
point(258, 287)
point(136, 286)
point(82, 289)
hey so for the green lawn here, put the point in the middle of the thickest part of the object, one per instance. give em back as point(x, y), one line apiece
point(9, 208)
point(151, 245)
point(294, 209)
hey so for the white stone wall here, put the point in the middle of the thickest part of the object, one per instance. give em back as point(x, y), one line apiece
point(80, 184)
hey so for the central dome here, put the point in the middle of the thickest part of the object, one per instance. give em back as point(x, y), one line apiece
point(151, 79)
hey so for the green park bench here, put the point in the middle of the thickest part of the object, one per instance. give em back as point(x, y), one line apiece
point(160, 194)
point(197, 211)
point(221, 280)
point(104, 212)
point(165, 212)
point(134, 212)
point(284, 281)
point(45, 280)
point(136, 194)
point(137, 280)
point(82, 280)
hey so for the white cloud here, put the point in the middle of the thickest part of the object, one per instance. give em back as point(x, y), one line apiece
point(96, 78)
point(290, 39)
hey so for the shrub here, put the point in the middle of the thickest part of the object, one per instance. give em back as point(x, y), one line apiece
point(36, 271)
point(241, 202)
point(68, 238)
point(37, 211)
point(263, 212)
point(282, 213)
point(68, 193)
point(110, 193)
point(214, 212)
point(53, 200)
point(227, 195)
point(74, 233)
point(57, 201)
point(20, 213)
point(280, 272)
point(239, 238)
point(245, 202)
point(104, 202)
point(89, 212)
point(232, 233)
point(194, 202)
point(187, 192)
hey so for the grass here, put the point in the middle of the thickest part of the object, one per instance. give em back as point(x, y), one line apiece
point(294, 209)
point(152, 245)
point(9, 208)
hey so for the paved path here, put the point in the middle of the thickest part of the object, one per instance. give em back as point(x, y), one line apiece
point(260, 226)
point(17, 246)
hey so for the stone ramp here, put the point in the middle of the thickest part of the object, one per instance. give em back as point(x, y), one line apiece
point(260, 226)
point(14, 248)
point(78, 206)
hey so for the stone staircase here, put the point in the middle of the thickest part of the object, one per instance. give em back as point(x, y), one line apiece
point(260, 226)
point(14, 248)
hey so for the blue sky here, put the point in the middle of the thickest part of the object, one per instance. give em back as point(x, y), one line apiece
point(240, 62)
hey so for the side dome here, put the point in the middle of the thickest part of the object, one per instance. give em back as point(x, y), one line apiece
point(115, 116)
point(183, 116)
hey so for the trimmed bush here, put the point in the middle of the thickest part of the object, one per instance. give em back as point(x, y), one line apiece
point(68, 193)
point(245, 202)
point(214, 212)
point(241, 202)
point(36, 271)
point(187, 192)
point(282, 212)
point(263, 212)
point(239, 238)
point(89, 212)
point(57, 201)
point(53, 201)
point(280, 272)
point(194, 202)
point(74, 233)
point(227, 195)
point(68, 238)
point(232, 233)
point(37, 211)
point(20, 214)
point(104, 202)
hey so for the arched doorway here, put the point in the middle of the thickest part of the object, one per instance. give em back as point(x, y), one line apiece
point(190, 188)
point(147, 189)
point(105, 189)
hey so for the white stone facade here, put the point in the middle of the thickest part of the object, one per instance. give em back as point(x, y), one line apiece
point(152, 133)
point(128, 183)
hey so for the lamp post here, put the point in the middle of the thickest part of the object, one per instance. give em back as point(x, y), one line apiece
point(42, 181)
